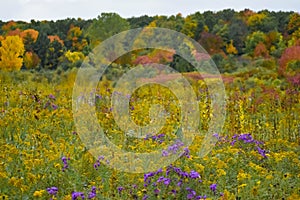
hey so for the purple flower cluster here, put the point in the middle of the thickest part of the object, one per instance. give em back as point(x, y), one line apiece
point(173, 149)
point(166, 181)
point(120, 189)
point(159, 138)
point(92, 194)
point(186, 152)
point(193, 195)
point(51, 96)
point(148, 176)
point(192, 175)
point(248, 139)
point(213, 187)
point(52, 190)
point(97, 164)
point(262, 152)
point(65, 162)
point(50, 103)
point(178, 180)
point(76, 195)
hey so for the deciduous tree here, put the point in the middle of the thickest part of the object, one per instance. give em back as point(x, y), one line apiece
point(11, 52)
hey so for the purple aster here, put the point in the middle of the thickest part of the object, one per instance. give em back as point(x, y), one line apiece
point(232, 142)
point(54, 107)
point(247, 138)
point(91, 195)
point(51, 96)
point(120, 189)
point(154, 137)
point(167, 181)
point(52, 190)
point(165, 153)
point(75, 195)
point(194, 174)
point(216, 135)
point(145, 197)
point(65, 162)
point(262, 152)
point(190, 196)
point(160, 179)
point(186, 152)
point(213, 187)
point(179, 183)
point(159, 171)
point(148, 175)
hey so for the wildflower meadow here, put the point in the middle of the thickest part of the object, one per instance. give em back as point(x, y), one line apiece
point(203, 106)
point(42, 157)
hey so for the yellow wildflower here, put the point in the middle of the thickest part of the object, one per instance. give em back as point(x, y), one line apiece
point(38, 193)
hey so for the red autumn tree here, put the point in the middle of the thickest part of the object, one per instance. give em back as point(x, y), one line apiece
point(289, 62)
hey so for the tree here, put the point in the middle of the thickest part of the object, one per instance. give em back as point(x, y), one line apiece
point(31, 60)
point(289, 56)
point(237, 32)
point(253, 40)
point(255, 20)
point(29, 37)
point(189, 27)
point(211, 43)
point(139, 22)
point(105, 26)
point(198, 17)
point(261, 50)
point(40, 47)
point(11, 52)
point(9, 26)
point(210, 19)
point(53, 53)
point(226, 15)
point(230, 49)
point(75, 36)
point(294, 23)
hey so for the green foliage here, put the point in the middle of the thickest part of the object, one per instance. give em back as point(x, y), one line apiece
point(106, 25)
point(227, 32)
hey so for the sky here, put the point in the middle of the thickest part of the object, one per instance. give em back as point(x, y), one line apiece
point(25, 10)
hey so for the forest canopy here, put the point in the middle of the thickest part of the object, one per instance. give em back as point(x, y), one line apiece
point(232, 38)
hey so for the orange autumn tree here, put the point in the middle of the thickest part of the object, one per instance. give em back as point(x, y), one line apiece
point(29, 34)
point(11, 52)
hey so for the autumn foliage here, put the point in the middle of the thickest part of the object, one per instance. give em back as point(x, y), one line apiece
point(11, 52)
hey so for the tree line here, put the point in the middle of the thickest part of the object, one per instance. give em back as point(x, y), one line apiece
point(228, 36)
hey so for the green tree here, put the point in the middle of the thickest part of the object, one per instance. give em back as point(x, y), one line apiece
point(253, 40)
point(237, 32)
point(41, 46)
point(189, 27)
point(105, 26)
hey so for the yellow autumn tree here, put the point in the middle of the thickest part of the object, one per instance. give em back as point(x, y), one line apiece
point(74, 56)
point(230, 49)
point(31, 60)
point(11, 52)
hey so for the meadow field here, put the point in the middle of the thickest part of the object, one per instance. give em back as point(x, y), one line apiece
point(180, 141)
point(42, 157)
